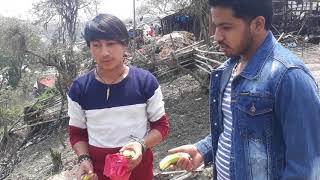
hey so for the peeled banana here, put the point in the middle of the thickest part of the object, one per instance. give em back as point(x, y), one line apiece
point(172, 159)
point(129, 154)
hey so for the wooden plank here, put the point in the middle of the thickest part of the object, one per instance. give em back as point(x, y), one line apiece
point(208, 59)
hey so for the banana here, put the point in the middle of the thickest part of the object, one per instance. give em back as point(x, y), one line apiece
point(129, 154)
point(85, 177)
point(172, 159)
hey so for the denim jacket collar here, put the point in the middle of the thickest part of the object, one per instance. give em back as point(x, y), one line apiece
point(255, 64)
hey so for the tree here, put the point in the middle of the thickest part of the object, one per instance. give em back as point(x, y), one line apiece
point(161, 7)
point(199, 9)
point(15, 36)
point(62, 53)
point(60, 48)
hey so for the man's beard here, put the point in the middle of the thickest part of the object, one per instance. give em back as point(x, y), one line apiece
point(246, 43)
point(243, 47)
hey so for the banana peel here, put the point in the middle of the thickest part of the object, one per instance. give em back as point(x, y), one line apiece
point(85, 177)
point(172, 159)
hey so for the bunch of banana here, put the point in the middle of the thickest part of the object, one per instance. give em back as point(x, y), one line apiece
point(172, 159)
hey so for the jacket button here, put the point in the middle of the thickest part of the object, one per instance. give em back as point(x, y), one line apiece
point(253, 109)
point(214, 100)
point(217, 75)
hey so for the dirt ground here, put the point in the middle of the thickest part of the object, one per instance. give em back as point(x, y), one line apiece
point(311, 56)
point(186, 105)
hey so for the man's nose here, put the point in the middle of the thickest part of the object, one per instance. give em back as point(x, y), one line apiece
point(105, 50)
point(218, 35)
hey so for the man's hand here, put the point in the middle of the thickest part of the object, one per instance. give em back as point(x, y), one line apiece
point(186, 163)
point(137, 149)
point(86, 168)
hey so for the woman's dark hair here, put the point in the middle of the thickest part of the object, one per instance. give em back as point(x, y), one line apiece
point(107, 27)
point(248, 9)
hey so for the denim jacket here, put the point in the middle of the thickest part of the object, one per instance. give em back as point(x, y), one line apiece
point(275, 107)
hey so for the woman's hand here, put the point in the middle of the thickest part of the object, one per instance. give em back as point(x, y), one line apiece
point(134, 159)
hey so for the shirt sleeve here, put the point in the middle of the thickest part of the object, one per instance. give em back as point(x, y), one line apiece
point(155, 106)
point(162, 125)
point(77, 122)
point(204, 146)
point(155, 103)
point(297, 107)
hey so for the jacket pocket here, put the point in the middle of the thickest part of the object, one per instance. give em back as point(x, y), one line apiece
point(254, 112)
point(254, 118)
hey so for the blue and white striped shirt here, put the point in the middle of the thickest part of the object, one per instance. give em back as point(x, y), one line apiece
point(224, 143)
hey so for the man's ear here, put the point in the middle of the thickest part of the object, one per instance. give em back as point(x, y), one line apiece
point(258, 24)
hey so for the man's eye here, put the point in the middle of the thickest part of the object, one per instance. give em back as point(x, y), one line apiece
point(111, 43)
point(227, 28)
point(96, 45)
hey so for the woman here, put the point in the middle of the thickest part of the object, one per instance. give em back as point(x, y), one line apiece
point(114, 107)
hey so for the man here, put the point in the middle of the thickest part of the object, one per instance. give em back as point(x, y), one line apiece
point(264, 103)
point(114, 107)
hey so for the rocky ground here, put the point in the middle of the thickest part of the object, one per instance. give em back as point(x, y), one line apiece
point(187, 107)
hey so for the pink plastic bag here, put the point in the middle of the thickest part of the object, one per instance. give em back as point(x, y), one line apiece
point(116, 167)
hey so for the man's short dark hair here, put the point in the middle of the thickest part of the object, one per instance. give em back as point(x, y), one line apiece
point(248, 9)
point(106, 27)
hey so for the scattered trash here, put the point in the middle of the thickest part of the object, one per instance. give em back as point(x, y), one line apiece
point(292, 45)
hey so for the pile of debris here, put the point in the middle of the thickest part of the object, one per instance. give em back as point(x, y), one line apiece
point(159, 49)
point(299, 16)
point(180, 38)
point(179, 52)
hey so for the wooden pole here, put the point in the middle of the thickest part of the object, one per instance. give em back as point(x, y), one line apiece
point(134, 28)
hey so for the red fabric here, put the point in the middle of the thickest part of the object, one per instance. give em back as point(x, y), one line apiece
point(162, 125)
point(48, 81)
point(117, 167)
point(77, 134)
point(144, 171)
